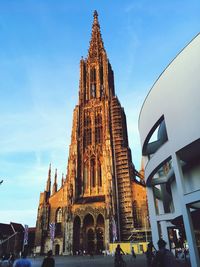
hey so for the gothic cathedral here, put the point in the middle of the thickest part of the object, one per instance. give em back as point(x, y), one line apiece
point(98, 199)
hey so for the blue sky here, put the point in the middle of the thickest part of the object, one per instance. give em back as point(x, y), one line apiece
point(41, 43)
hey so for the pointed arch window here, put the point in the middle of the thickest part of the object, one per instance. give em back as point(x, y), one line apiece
point(101, 82)
point(87, 132)
point(101, 75)
point(92, 173)
point(93, 82)
point(59, 215)
point(87, 121)
point(99, 174)
point(58, 221)
point(85, 176)
point(93, 75)
point(98, 129)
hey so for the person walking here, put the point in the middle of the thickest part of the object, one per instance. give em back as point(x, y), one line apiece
point(149, 254)
point(118, 256)
point(164, 257)
point(49, 260)
point(23, 262)
point(133, 253)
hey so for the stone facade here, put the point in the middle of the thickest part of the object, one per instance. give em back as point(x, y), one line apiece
point(94, 205)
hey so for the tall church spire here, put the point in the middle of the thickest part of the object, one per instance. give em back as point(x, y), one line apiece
point(48, 186)
point(96, 75)
point(96, 43)
point(55, 183)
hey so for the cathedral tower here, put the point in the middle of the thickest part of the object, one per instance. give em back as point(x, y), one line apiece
point(97, 193)
point(100, 169)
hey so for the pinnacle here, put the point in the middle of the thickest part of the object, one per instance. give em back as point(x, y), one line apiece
point(95, 15)
point(95, 21)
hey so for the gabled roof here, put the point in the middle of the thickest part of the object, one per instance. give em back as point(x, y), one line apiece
point(17, 227)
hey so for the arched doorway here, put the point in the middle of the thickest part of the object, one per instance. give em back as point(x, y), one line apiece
point(89, 234)
point(90, 241)
point(100, 226)
point(57, 249)
point(100, 240)
point(76, 235)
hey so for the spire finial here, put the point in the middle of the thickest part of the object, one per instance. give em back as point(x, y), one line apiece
point(95, 15)
point(95, 22)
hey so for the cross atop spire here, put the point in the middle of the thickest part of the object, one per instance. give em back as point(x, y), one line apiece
point(96, 43)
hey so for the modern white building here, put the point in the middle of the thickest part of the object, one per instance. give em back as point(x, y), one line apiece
point(169, 126)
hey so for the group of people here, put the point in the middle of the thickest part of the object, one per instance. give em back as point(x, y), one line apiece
point(24, 262)
point(10, 261)
point(161, 257)
point(7, 260)
point(155, 258)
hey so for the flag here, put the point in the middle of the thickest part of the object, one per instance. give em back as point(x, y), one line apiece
point(52, 231)
point(114, 230)
point(25, 234)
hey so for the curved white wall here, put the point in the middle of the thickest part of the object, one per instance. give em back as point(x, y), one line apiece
point(176, 96)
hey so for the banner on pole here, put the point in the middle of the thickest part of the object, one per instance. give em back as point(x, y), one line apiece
point(25, 234)
point(52, 228)
point(114, 230)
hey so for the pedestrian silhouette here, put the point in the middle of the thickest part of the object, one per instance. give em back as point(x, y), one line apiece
point(133, 253)
point(49, 260)
point(149, 254)
point(163, 256)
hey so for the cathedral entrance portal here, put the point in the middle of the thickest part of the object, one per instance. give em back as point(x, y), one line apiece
point(90, 241)
point(57, 249)
point(76, 235)
point(93, 234)
point(89, 234)
point(100, 228)
point(100, 242)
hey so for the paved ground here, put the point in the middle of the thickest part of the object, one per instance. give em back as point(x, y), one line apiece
point(97, 261)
